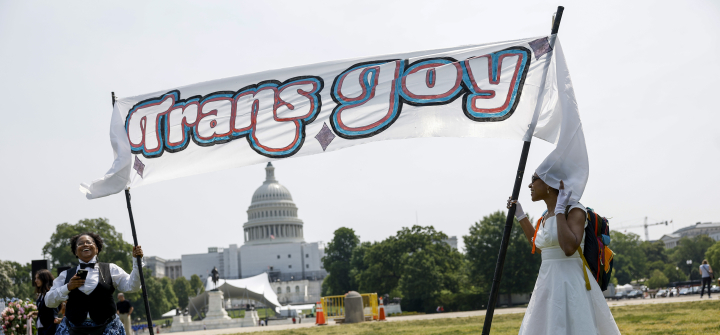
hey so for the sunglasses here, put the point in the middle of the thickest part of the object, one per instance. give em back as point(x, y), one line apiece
point(534, 178)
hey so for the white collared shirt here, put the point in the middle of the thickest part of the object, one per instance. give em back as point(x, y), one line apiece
point(122, 281)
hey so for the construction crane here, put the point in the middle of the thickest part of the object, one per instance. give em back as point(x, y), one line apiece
point(646, 225)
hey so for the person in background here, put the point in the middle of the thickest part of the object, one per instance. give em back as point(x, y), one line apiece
point(47, 318)
point(706, 272)
point(124, 309)
point(89, 287)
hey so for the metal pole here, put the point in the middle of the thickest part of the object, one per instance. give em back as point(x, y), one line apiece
point(139, 259)
point(495, 288)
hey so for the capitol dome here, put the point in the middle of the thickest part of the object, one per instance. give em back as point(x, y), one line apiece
point(272, 215)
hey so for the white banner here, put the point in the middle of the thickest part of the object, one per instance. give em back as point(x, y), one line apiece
point(487, 90)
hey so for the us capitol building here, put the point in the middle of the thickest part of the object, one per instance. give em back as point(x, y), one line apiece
point(273, 243)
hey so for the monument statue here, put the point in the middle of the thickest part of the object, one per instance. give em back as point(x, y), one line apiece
point(215, 277)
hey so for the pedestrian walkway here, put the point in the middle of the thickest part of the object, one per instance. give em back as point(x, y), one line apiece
point(499, 311)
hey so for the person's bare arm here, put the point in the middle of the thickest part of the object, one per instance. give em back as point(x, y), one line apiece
point(570, 230)
point(131, 310)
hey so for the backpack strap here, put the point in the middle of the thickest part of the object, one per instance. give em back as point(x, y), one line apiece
point(585, 264)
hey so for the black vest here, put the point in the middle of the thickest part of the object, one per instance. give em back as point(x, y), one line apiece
point(99, 303)
point(46, 314)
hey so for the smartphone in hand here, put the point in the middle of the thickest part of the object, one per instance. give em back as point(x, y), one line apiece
point(82, 273)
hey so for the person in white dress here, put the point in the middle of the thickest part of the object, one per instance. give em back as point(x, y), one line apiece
point(561, 302)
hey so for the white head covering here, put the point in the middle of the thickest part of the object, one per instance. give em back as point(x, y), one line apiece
point(561, 125)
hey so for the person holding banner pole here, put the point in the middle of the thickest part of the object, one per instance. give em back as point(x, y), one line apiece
point(88, 289)
point(561, 302)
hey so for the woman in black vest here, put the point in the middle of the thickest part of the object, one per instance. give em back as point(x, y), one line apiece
point(47, 317)
point(90, 308)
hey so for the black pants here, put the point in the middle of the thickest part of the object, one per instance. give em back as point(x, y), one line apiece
point(705, 281)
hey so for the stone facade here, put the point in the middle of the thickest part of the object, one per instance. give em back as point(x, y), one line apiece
point(711, 229)
point(156, 265)
point(451, 241)
point(297, 291)
point(173, 268)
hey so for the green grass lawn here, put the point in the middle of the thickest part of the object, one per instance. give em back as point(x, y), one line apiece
point(239, 314)
point(697, 317)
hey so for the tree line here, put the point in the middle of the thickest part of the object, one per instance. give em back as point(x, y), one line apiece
point(415, 264)
point(650, 263)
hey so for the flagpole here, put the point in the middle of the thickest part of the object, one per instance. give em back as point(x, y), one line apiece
point(495, 288)
point(139, 259)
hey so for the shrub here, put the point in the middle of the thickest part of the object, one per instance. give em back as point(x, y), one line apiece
point(657, 280)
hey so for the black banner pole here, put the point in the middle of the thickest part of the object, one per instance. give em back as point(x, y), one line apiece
point(139, 259)
point(495, 288)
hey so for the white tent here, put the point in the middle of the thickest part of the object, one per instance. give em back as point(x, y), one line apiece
point(171, 313)
point(624, 288)
point(253, 288)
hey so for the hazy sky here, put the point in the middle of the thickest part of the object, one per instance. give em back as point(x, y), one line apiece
point(645, 76)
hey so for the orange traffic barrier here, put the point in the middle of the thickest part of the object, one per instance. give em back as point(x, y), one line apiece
point(381, 312)
point(319, 315)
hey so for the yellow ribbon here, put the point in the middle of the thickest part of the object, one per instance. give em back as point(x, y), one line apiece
point(585, 264)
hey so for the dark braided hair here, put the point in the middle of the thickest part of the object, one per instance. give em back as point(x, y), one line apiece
point(96, 238)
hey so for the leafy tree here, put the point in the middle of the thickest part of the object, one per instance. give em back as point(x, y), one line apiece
point(337, 261)
point(115, 249)
point(654, 252)
point(383, 267)
point(357, 264)
point(630, 260)
point(427, 275)
point(657, 280)
point(713, 256)
point(22, 281)
point(674, 274)
point(482, 246)
point(691, 249)
point(170, 296)
point(183, 292)
point(656, 265)
point(415, 264)
point(7, 272)
point(196, 285)
point(156, 298)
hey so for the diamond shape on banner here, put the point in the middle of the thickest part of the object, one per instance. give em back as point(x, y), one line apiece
point(325, 136)
point(139, 166)
point(540, 47)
